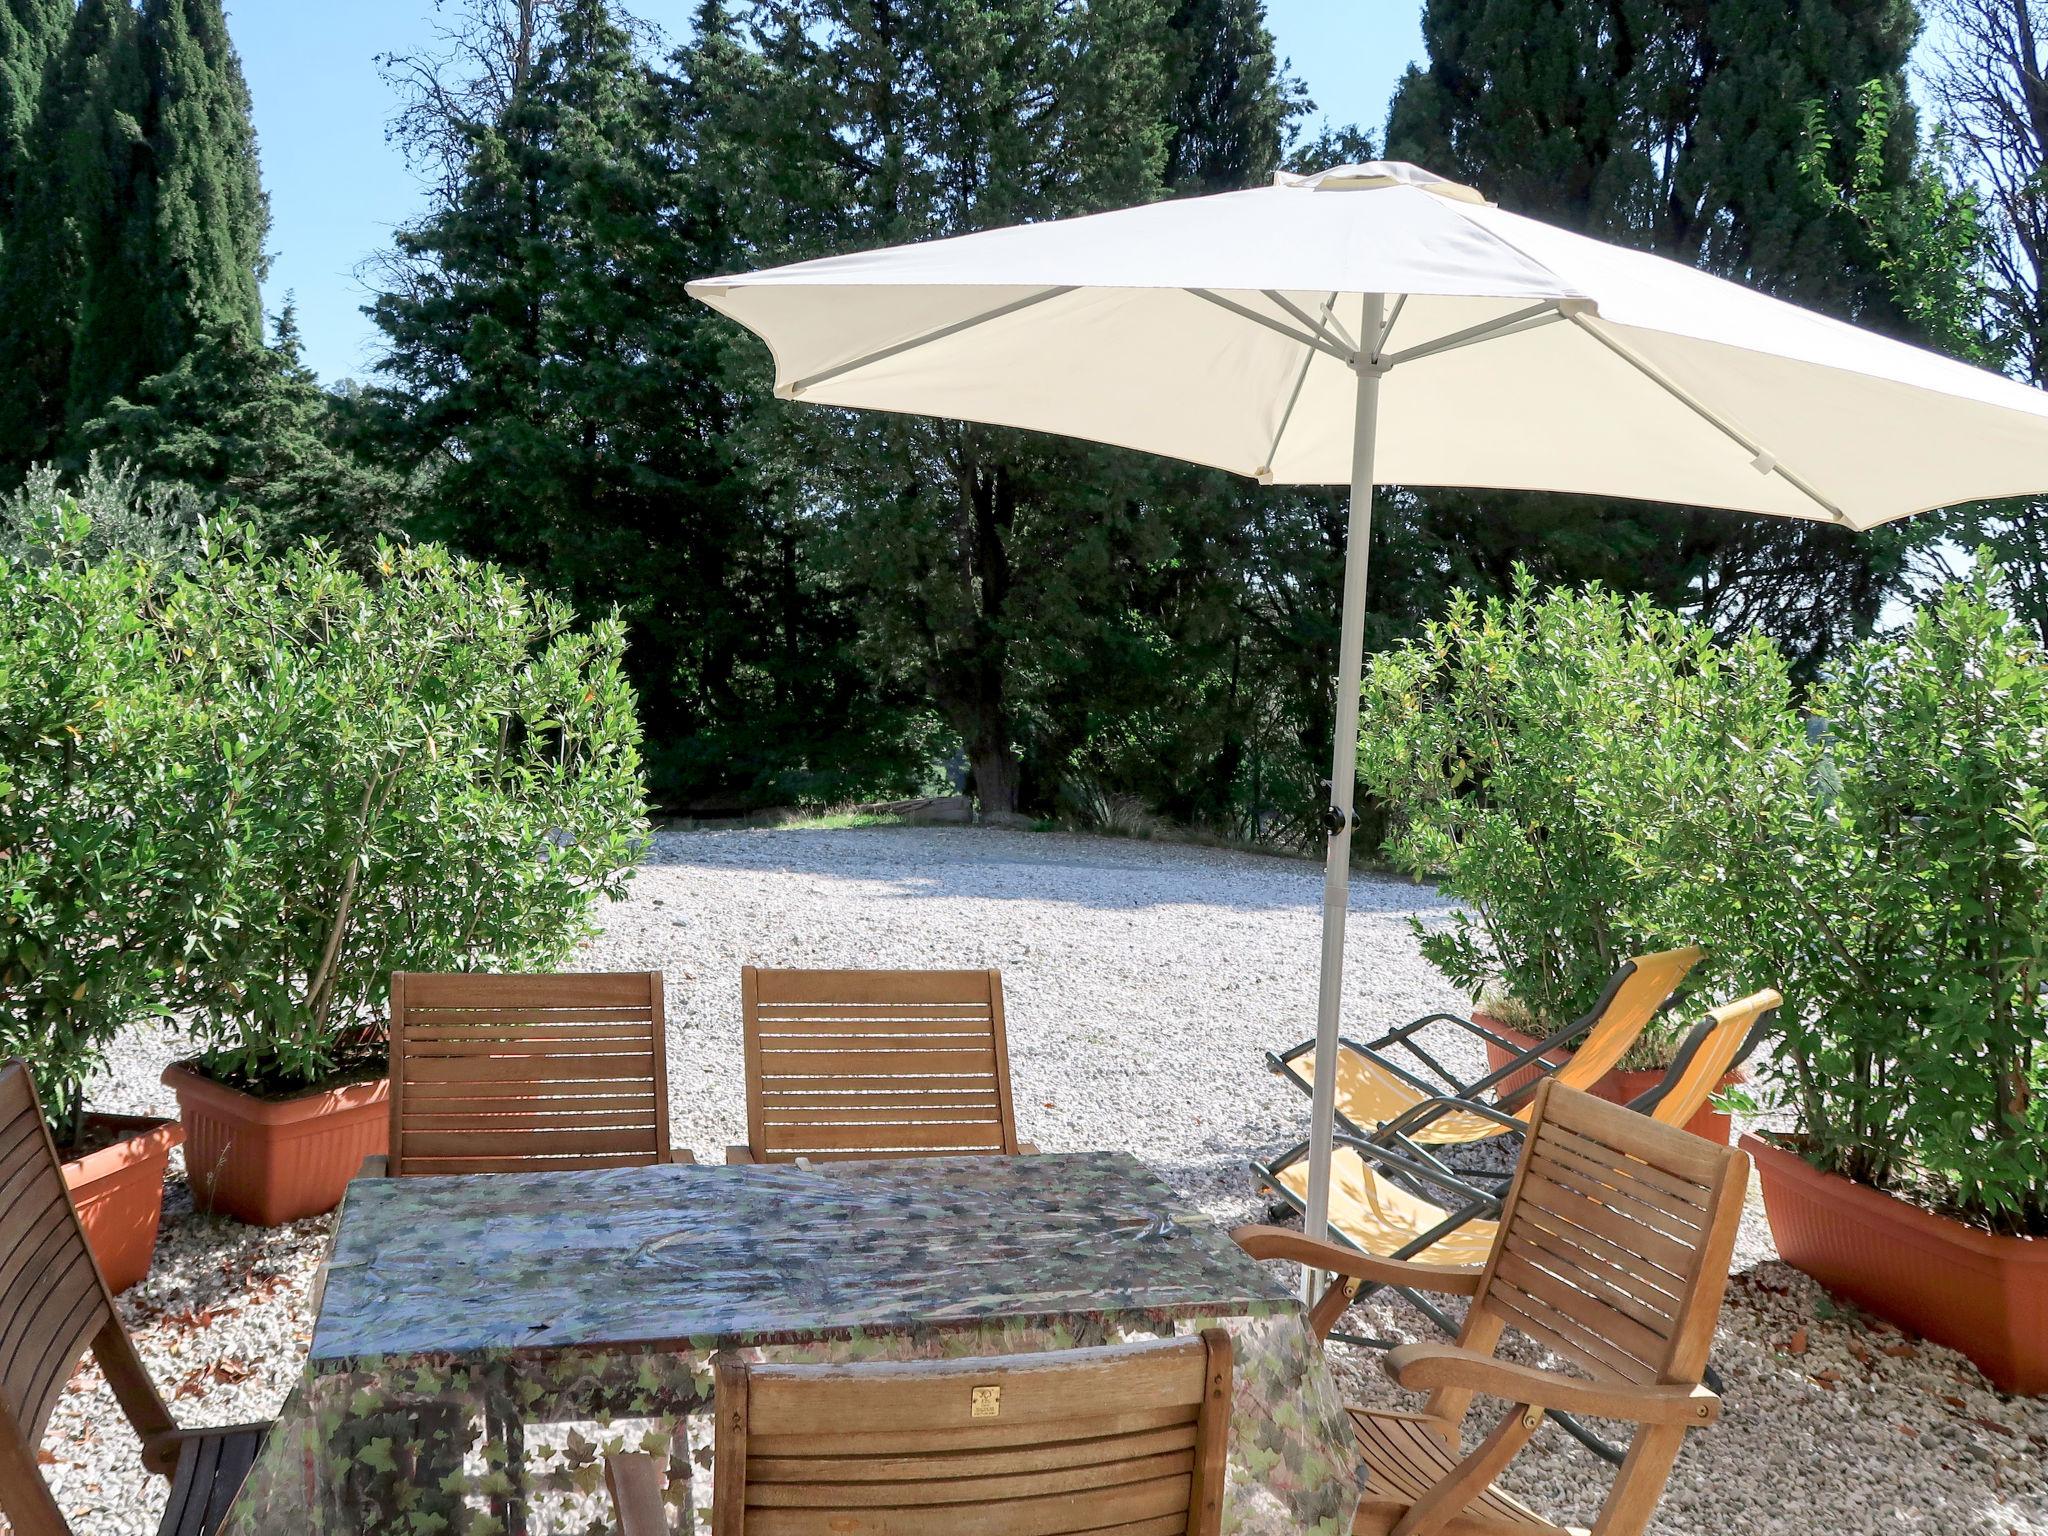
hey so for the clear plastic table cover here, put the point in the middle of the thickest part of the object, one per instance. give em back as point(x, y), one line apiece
point(482, 1342)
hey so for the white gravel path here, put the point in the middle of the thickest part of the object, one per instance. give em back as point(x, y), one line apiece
point(1144, 981)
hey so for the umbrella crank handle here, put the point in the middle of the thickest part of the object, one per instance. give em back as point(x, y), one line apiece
point(1336, 819)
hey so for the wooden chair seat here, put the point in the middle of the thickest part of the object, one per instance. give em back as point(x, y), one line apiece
point(54, 1305)
point(1408, 1455)
point(212, 1465)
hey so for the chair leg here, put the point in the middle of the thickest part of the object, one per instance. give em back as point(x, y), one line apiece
point(508, 1430)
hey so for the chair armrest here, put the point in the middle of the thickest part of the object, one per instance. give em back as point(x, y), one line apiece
point(1430, 1366)
point(633, 1478)
point(1262, 1242)
point(378, 1167)
point(739, 1154)
point(679, 1155)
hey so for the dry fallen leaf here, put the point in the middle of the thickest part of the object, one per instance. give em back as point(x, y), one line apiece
point(1902, 1351)
point(1796, 1345)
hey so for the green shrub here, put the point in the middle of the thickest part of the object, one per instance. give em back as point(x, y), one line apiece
point(1493, 740)
point(1885, 870)
point(429, 769)
point(92, 741)
point(250, 789)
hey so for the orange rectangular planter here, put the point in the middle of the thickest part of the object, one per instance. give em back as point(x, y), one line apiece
point(270, 1161)
point(1982, 1294)
point(1617, 1087)
point(119, 1193)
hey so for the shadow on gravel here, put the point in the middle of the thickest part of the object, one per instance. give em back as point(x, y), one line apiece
point(1115, 874)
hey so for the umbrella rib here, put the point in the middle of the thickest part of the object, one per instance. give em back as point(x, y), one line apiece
point(1486, 330)
point(1762, 459)
point(929, 337)
point(1387, 330)
point(1265, 470)
point(1304, 338)
point(1328, 326)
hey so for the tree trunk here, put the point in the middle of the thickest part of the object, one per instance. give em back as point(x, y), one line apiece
point(996, 775)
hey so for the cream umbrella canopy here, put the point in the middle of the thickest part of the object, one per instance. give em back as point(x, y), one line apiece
point(1377, 324)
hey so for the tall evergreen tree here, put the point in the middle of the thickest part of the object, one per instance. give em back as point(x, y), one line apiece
point(31, 34)
point(1022, 584)
point(248, 424)
point(71, 283)
point(560, 395)
point(1233, 104)
point(206, 214)
point(1685, 129)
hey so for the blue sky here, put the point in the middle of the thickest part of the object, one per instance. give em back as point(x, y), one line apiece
point(337, 189)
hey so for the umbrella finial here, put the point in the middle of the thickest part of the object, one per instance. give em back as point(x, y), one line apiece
point(1379, 173)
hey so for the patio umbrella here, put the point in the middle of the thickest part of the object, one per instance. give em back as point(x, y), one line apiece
point(1380, 324)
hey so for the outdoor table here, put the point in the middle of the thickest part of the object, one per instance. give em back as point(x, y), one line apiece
point(482, 1341)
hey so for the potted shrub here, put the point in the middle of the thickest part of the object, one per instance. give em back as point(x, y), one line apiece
point(1489, 739)
point(424, 767)
point(86, 909)
point(1886, 866)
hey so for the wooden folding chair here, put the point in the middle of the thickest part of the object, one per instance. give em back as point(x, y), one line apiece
point(54, 1305)
point(1125, 1439)
point(1612, 1253)
point(1398, 1207)
point(518, 1074)
point(1375, 1089)
point(855, 1064)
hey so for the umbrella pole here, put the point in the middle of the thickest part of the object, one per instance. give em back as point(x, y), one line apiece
point(1343, 774)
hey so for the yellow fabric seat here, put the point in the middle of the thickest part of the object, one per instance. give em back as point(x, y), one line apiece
point(1371, 1093)
point(1371, 1212)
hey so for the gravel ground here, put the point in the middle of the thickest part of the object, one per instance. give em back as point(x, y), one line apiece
point(1143, 983)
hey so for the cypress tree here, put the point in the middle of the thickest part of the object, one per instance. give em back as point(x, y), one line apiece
point(31, 33)
point(72, 277)
point(206, 214)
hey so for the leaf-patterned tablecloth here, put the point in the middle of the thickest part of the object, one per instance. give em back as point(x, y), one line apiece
point(482, 1341)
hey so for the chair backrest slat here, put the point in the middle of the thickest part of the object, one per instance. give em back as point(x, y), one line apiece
point(53, 1302)
point(1128, 1438)
point(1614, 1241)
point(504, 1074)
point(851, 1064)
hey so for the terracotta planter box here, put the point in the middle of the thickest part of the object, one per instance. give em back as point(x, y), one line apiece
point(1984, 1295)
point(1710, 1123)
point(119, 1192)
point(270, 1161)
